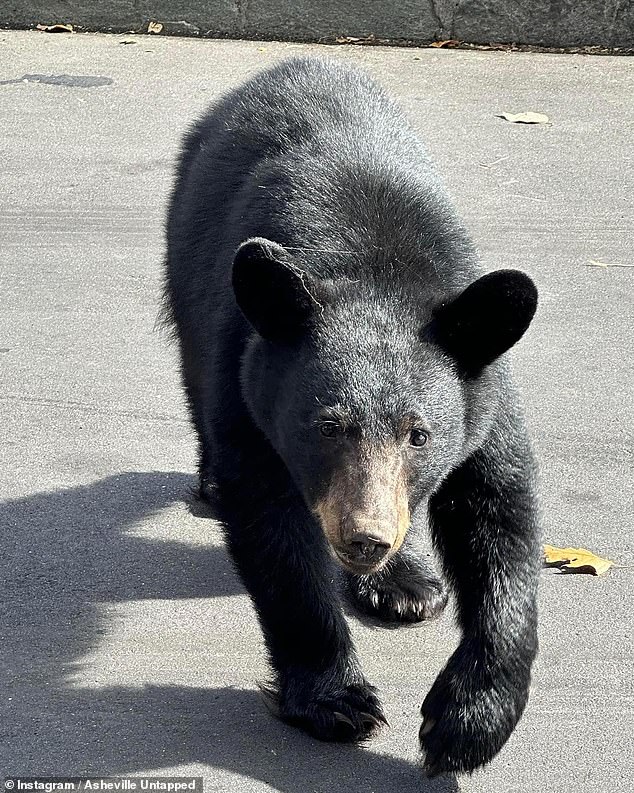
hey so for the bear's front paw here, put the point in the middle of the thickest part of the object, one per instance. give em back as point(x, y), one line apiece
point(467, 720)
point(402, 594)
point(327, 709)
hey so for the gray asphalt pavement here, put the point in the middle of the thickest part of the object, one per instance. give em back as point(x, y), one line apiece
point(127, 645)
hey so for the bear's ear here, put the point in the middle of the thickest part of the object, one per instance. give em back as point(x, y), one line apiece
point(271, 292)
point(485, 320)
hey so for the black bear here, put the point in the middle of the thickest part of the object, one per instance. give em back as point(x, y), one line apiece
point(343, 358)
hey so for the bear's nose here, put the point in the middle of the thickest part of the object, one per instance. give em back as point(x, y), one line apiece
point(366, 549)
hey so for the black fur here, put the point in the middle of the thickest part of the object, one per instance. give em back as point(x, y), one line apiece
point(270, 293)
point(316, 268)
point(485, 320)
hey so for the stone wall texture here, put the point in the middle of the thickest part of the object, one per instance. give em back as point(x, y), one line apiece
point(548, 23)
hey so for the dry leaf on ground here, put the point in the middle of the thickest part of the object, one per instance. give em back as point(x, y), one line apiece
point(525, 118)
point(575, 560)
point(445, 43)
point(154, 27)
point(55, 28)
point(371, 39)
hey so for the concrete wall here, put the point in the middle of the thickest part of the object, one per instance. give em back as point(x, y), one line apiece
point(551, 23)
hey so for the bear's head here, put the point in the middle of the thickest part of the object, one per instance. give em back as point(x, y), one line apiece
point(371, 395)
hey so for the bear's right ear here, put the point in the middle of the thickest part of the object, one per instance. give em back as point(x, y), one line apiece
point(271, 292)
point(485, 320)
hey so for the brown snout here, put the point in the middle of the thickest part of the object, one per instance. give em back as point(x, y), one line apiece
point(365, 514)
point(362, 543)
point(365, 544)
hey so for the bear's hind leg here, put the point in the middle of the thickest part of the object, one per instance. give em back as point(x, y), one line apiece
point(192, 367)
point(406, 590)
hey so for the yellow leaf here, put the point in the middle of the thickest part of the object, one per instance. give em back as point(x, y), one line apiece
point(575, 560)
point(154, 27)
point(525, 118)
point(55, 28)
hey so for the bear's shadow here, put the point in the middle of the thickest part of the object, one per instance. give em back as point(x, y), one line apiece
point(66, 555)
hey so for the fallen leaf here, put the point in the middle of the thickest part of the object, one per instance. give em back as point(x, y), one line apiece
point(55, 28)
point(525, 118)
point(595, 263)
point(446, 43)
point(371, 39)
point(504, 47)
point(575, 560)
point(154, 27)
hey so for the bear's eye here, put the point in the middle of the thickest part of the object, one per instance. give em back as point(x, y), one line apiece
point(329, 429)
point(418, 438)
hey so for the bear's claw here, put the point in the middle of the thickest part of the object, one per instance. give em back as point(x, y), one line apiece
point(351, 713)
point(402, 596)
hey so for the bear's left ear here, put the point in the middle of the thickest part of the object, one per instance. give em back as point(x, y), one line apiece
point(485, 320)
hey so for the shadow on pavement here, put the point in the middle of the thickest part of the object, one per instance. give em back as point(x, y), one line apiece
point(64, 555)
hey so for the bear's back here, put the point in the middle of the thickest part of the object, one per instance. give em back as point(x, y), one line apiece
point(313, 155)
